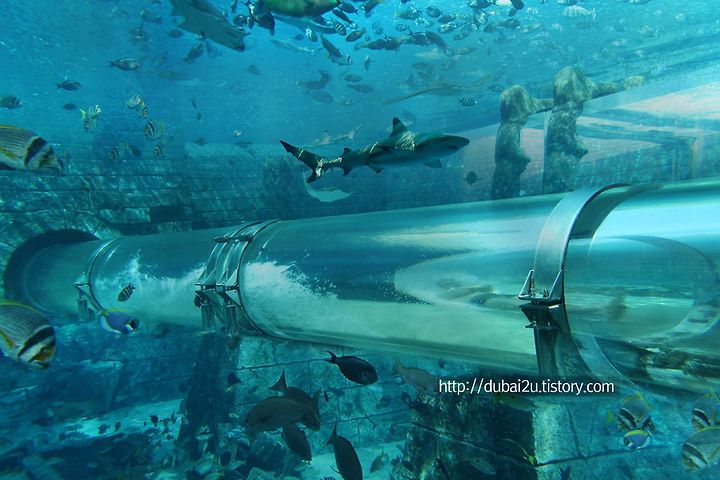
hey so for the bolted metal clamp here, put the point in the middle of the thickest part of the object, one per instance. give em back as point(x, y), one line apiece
point(217, 291)
point(88, 305)
point(575, 215)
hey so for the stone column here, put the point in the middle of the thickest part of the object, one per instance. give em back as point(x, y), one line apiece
point(516, 105)
point(563, 148)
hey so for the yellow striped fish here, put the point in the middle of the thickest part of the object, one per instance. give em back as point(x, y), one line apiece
point(22, 149)
point(705, 411)
point(126, 292)
point(25, 335)
point(702, 449)
point(635, 414)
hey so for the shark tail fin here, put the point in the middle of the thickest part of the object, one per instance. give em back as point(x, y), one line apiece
point(308, 158)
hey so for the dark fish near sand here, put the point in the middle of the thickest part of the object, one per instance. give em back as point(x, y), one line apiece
point(118, 322)
point(22, 149)
point(297, 442)
point(311, 419)
point(70, 85)
point(346, 459)
point(379, 462)
point(25, 335)
point(322, 97)
point(10, 102)
point(273, 413)
point(126, 292)
point(316, 84)
point(471, 178)
point(126, 64)
point(70, 106)
point(195, 52)
point(355, 369)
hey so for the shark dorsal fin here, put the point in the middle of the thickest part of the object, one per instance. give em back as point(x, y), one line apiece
point(346, 150)
point(398, 127)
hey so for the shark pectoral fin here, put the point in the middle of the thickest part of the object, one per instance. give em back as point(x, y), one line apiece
point(398, 127)
point(434, 164)
point(346, 170)
point(377, 169)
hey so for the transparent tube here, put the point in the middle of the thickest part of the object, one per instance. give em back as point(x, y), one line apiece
point(440, 281)
point(648, 282)
point(163, 269)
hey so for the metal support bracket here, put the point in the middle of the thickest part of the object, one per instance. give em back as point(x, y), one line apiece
point(544, 285)
point(218, 287)
point(89, 306)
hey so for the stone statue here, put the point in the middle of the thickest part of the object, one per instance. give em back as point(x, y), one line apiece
point(563, 148)
point(516, 105)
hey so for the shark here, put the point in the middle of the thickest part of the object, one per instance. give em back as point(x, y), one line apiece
point(204, 19)
point(401, 148)
point(446, 88)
